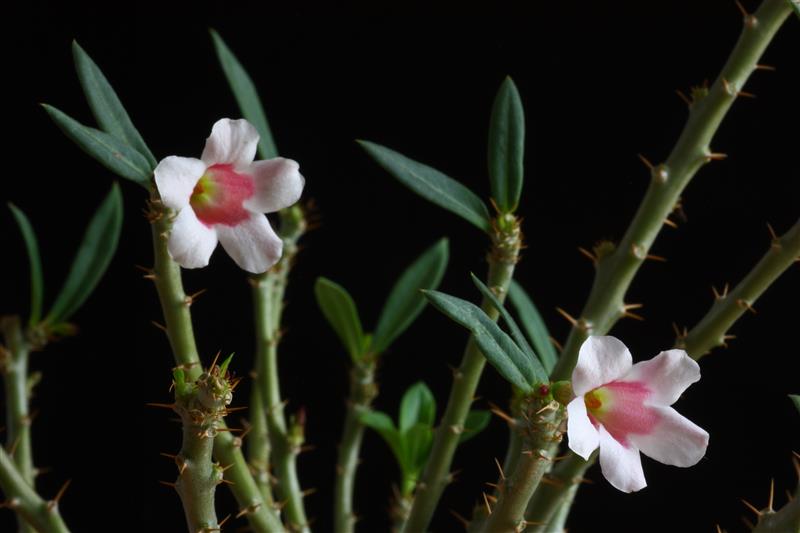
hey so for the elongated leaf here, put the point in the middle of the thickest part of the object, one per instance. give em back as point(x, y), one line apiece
point(406, 302)
point(531, 359)
point(117, 156)
point(796, 400)
point(246, 96)
point(432, 185)
point(105, 104)
point(417, 440)
point(476, 421)
point(496, 345)
point(93, 257)
point(506, 147)
point(795, 5)
point(34, 262)
point(340, 311)
point(533, 325)
point(382, 423)
point(418, 406)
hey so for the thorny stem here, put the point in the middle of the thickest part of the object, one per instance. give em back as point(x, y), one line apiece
point(616, 271)
point(538, 440)
point(555, 497)
point(711, 330)
point(281, 445)
point(362, 392)
point(14, 367)
point(506, 242)
point(175, 306)
point(43, 516)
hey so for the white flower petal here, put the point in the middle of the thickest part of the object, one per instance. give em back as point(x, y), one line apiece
point(176, 177)
point(583, 436)
point(667, 375)
point(600, 360)
point(675, 440)
point(252, 244)
point(191, 242)
point(621, 466)
point(278, 184)
point(232, 142)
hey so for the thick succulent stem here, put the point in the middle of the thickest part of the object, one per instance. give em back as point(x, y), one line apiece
point(14, 367)
point(282, 447)
point(178, 321)
point(362, 392)
point(786, 519)
point(555, 497)
point(539, 440)
point(506, 243)
point(616, 270)
point(40, 515)
point(728, 307)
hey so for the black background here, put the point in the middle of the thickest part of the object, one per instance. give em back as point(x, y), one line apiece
point(597, 81)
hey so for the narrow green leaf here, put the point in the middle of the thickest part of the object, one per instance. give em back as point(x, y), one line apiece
point(506, 147)
point(496, 345)
point(531, 359)
point(105, 104)
point(432, 185)
point(383, 425)
point(476, 421)
point(223, 368)
point(93, 257)
point(533, 325)
point(795, 4)
point(340, 311)
point(34, 263)
point(244, 90)
point(406, 302)
point(796, 400)
point(417, 440)
point(418, 406)
point(117, 156)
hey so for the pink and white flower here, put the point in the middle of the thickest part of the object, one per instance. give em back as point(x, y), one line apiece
point(222, 196)
point(625, 408)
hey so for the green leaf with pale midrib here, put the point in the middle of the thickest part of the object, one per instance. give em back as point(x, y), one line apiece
point(34, 262)
point(496, 345)
point(106, 105)
point(92, 259)
point(432, 185)
point(244, 90)
point(506, 147)
point(533, 324)
point(341, 313)
point(406, 302)
point(117, 156)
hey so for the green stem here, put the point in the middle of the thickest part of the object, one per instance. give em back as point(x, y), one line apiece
point(785, 519)
point(502, 260)
point(711, 330)
point(616, 271)
point(198, 478)
point(555, 497)
point(284, 444)
point(43, 516)
point(362, 392)
point(175, 306)
point(14, 367)
point(559, 520)
point(538, 442)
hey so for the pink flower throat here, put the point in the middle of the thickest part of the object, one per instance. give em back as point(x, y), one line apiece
point(219, 196)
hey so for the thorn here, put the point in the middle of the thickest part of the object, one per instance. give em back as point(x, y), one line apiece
point(502, 414)
point(585, 481)
point(495, 486)
point(308, 492)
point(547, 480)
point(775, 239)
point(626, 307)
point(227, 482)
point(566, 315)
point(224, 520)
point(588, 254)
point(646, 162)
point(742, 10)
point(54, 502)
point(746, 305)
point(716, 156)
point(769, 68)
point(168, 455)
point(658, 258)
point(683, 97)
point(461, 520)
point(189, 300)
point(750, 506)
point(670, 223)
point(486, 502)
point(216, 358)
point(169, 406)
point(248, 510)
point(229, 410)
point(500, 469)
point(160, 326)
point(628, 314)
point(182, 468)
point(719, 529)
point(771, 494)
point(557, 344)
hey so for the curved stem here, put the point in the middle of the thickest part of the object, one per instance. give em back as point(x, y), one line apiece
point(41, 515)
point(502, 260)
point(616, 271)
point(362, 392)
